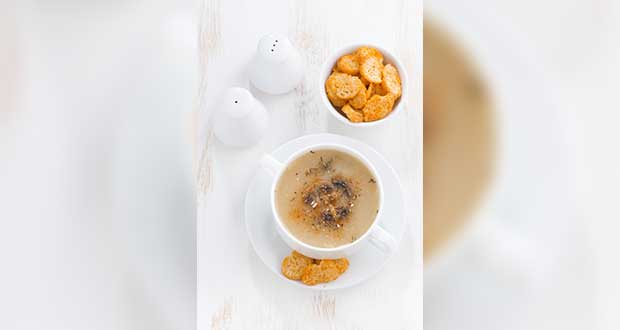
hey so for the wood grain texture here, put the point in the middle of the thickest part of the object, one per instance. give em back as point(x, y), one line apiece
point(222, 318)
point(209, 38)
point(235, 289)
point(307, 33)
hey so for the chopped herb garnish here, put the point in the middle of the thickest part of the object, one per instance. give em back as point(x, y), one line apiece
point(327, 215)
point(326, 165)
point(342, 212)
point(326, 188)
point(343, 186)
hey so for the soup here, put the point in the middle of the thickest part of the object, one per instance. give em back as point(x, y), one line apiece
point(327, 198)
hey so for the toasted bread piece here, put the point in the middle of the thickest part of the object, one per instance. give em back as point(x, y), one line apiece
point(294, 265)
point(378, 107)
point(355, 116)
point(391, 80)
point(371, 69)
point(348, 64)
point(364, 81)
point(379, 90)
point(343, 86)
point(325, 271)
point(365, 52)
point(359, 101)
point(331, 94)
point(335, 100)
point(342, 264)
point(370, 91)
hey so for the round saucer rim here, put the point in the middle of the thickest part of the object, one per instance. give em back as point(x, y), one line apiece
point(347, 141)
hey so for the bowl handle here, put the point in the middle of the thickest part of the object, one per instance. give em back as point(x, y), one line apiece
point(272, 165)
point(382, 240)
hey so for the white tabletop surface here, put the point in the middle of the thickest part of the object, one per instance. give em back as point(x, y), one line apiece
point(235, 290)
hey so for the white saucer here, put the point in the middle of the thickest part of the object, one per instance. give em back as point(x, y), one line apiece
point(271, 248)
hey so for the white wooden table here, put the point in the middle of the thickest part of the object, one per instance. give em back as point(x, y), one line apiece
point(235, 289)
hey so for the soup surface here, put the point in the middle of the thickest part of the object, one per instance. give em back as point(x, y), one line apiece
point(327, 198)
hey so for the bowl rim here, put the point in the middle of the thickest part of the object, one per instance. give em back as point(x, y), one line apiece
point(389, 58)
point(327, 146)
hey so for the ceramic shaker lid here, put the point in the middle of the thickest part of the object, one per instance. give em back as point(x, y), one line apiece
point(240, 119)
point(276, 67)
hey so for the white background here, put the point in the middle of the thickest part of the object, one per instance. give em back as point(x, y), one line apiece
point(96, 185)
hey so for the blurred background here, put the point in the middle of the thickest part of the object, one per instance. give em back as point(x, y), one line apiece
point(521, 164)
point(96, 186)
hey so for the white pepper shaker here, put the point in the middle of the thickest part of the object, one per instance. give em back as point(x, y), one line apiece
point(240, 119)
point(276, 67)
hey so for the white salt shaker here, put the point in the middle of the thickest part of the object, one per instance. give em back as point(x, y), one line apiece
point(277, 67)
point(240, 119)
